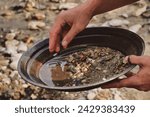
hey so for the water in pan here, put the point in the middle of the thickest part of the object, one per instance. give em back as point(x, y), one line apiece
point(91, 65)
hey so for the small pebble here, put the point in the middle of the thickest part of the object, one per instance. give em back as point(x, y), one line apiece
point(22, 47)
point(91, 96)
point(10, 36)
point(35, 25)
point(6, 80)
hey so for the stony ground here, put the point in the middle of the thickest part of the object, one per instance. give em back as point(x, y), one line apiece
point(24, 22)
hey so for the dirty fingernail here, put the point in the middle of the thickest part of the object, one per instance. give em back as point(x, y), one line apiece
point(126, 60)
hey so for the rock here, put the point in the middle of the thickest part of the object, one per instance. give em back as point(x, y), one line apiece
point(125, 15)
point(116, 22)
point(10, 36)
point(33, 96)
point(117, 97)
point(39, 16)
point(29, 39)
point(7, 13)
point(104, 94)
point(22, 47)
point(13, 73)
point(28, 16)
point(135, 28)
point(25, 85)
point(146, 14)
point(2, 49)
point(67, 5)
point(117, 94)
point(141, 10)
point(15, 59)
point(91, 96)
point(34, 25)
point(6, 80)
point(30, 5)
point(4, 62)
point(11, 46)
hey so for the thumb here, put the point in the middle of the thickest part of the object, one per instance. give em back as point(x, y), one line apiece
point(139, 60)
point(70, 35)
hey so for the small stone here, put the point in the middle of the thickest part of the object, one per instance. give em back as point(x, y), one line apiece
point(39, 16)
point(67, 5)
point(4, 68)
point(10, 36)
point(29, 39)
point(115, 22)
point(15, 59)
point(118, 22)
point(35, 25)
point(28, 16)
point(135, 28)
point(13, 73)
point(11, 46)
point(30, 5)
point(33, 96)
point(22, 47)
point(24, 85)
point(2, 49)
point(125, 15)
point(4, 62)
point(91, 96)
point(6, 80)
point(54, 7)
point(7, 13)
point(140, 10)
point(117, 97)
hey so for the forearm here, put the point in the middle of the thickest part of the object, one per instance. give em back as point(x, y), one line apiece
point(100, 6)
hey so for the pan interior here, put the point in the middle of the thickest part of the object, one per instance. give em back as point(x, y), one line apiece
point(53, 72)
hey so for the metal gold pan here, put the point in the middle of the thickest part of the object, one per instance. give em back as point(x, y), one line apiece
point(120, 39)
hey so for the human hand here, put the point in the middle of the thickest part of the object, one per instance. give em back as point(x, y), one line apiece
point(67, 25)
point(140, 80)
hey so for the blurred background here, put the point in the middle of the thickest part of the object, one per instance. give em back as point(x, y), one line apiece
point(24, 22)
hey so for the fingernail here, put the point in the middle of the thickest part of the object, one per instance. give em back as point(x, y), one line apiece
point(126, 60)
point(57, 49)
point(64, 43)
point(51, 50)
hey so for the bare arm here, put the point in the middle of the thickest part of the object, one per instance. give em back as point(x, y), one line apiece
point(101, 6)
point(76, 20)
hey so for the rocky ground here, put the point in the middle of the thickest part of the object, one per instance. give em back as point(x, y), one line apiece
point(24, 22)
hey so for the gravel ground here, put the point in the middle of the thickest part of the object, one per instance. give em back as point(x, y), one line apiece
point(24, 22)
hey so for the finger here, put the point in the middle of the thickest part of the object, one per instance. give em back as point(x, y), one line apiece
point(139, 60)
point(70, 35)
point(55, 34)
point(130, 82)
point(57, 49)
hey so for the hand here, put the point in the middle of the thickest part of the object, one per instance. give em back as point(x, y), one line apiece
point(67, 25)
point(140, 80)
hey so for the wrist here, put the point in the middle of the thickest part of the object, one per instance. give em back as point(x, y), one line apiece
point(92, 6)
